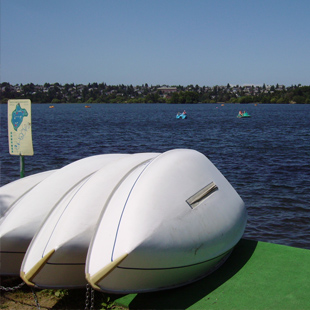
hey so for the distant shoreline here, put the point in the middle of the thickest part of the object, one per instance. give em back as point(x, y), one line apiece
point(143, 103)
point(102, 93)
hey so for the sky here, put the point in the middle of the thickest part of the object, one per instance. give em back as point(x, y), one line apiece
point(158, 42)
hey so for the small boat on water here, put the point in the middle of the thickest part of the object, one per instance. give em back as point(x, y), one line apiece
point(182, 115)
point(51, 106)
point(123, 223)
point(87, 106)
point(243, 114)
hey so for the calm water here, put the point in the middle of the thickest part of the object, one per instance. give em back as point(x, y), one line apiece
point(266, 158)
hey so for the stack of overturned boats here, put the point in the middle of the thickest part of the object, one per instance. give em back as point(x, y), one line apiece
point(123, 223)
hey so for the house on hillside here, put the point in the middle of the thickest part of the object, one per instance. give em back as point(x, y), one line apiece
point(166, 91)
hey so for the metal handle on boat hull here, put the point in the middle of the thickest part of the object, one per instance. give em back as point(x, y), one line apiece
point(201, 195)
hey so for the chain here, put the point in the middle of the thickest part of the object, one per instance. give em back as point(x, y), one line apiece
point(92, 299)
point(14, 288)
point(87, 296)
point(11, 289)
point(90, 295)
point(35, 298)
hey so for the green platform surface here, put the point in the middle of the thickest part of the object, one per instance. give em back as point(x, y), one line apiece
point(257, 275)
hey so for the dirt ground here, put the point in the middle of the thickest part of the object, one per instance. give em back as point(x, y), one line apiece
point(17, 298)
point(18, 301)
point(25, 298)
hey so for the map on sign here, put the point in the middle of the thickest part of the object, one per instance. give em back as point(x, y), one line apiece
point(19, 127)
point(17, 116)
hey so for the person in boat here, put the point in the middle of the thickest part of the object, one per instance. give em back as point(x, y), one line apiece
point(240, 113)
point(184, 112)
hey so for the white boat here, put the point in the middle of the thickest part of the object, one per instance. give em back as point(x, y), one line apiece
point(142, 222)
point(12, 192)
point(166, 224)
point(22, 220)
point(56, 256)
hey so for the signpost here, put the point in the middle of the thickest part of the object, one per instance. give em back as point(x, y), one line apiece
point(19, 130)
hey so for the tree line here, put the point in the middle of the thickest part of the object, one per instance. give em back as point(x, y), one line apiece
point(103, 93)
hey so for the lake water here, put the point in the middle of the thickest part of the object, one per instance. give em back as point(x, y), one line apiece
point(266, 157)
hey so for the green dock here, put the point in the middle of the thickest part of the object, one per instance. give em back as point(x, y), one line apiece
point(257, 275)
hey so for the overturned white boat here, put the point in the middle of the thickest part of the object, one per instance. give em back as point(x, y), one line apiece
point(12, 192)
point(22, 219)
point(124, 223)
point(165, 225)
point(57, 254)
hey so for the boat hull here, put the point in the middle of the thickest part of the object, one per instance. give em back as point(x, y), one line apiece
point(181, 116)
point(149, 280)
point(124, 224)
point(22, 220)
point(244, 115)
point(68, 230)
point(12, 192)
point(165, 221)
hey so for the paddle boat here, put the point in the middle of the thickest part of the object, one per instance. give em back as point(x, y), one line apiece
point(182, 115)
point(243, 114)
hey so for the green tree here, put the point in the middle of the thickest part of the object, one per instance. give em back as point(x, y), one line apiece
point(175, 98)
point(299, 99)
point(191, 97)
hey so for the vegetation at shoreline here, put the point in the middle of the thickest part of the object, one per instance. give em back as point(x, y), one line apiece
point(24, 297)
point(103, 93)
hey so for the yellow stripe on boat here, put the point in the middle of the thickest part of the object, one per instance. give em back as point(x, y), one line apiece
point(27, 277)
point(98, 276)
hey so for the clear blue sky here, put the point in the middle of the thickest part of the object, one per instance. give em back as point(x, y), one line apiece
point(173, 42)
